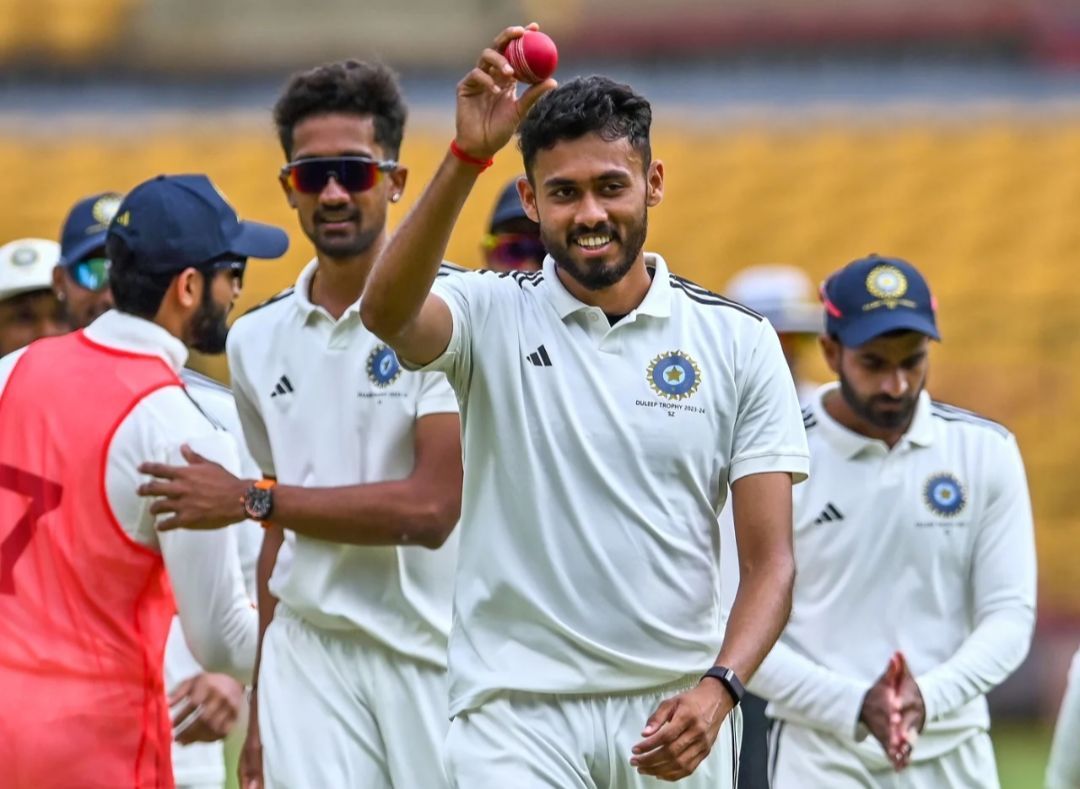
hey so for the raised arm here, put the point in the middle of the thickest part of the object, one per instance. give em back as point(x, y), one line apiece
point(397, 304)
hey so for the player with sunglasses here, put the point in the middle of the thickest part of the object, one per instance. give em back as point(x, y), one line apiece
point(81, 281)
point(512, 242)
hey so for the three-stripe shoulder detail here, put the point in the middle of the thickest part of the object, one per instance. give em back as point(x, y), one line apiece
point(289, 291)
point(701, 295)
point(446, 269)
point(950, 413)
point(809, 419)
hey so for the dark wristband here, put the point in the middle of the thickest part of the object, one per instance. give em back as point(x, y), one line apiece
point(729, 680)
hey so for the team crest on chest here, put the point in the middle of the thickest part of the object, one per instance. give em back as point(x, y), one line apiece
point(383, 367)
point(944, 495)
point(674, 375)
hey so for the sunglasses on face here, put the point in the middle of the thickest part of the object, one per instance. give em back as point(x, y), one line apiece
point(92, 273)
point(514, 249)
point(235, 267)
point(353, 173)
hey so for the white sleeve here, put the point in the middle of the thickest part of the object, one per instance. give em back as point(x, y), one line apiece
point(1063, 769)
point(7, 364)
point(218, 618)
point(769, 433)
point(800, 690)
point(251, 421)
point(1003, 586)
point(436, 396)
point(467, 296)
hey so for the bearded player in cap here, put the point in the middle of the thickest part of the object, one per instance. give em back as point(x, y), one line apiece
point(914, 540)
point(87, 583)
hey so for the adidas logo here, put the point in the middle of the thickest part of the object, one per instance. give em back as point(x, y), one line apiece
point(284, 386)
point(539, 357)
point(830, 513)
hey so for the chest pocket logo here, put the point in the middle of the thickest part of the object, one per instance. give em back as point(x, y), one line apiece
point(944, 495)
point(674, 375)
point(383, 367)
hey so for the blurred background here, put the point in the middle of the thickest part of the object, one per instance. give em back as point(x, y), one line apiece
point(800, 132)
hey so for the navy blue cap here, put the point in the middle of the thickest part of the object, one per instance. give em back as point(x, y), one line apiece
point(508, 206)
point(85, 227)
point(875, 295)
point(172, 222)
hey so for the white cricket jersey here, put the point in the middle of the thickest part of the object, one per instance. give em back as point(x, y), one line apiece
point(928, 549)
point(325, 403)
point(596, 461)
point(219, 619)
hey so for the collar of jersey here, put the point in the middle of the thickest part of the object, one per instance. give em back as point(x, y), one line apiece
point(303, 301)
point(849, 443)
point(125, 332)
point(657, 301)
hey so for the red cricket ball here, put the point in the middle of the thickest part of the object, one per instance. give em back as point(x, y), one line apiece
point(533, 56)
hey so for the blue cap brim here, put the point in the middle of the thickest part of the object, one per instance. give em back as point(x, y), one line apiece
point(77, 252)
point(256, 240)
point(860, 332)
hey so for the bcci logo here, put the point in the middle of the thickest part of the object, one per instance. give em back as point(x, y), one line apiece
point(383, 367)
point(944, 495)
point(105, 208)
point(674, 375)
point(24, 256)
point(888, 285)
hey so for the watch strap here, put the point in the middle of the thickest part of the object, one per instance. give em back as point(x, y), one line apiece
point(729, 679)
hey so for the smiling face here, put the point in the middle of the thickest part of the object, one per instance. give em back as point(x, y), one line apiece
point(591, 197)
point(342, 224)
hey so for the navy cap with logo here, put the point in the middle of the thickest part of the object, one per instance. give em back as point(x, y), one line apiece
point(876, 295)
point(173, 222)
point(508, 207)
point(84, 229)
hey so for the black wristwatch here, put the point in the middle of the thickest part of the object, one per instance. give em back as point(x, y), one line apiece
point(729, 680)
point(259, 500)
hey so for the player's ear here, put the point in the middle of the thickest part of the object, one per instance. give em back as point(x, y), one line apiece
point(286, 187)
point(188, 287)
point(528, 198)
point(397, 183)
point(654, 187)
point(831, 349)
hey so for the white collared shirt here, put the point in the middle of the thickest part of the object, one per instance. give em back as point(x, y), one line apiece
point(596, 461)
point(324, 403)
point(218, 618)
point(927, 548)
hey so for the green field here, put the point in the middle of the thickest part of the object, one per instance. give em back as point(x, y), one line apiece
point(1022, 749)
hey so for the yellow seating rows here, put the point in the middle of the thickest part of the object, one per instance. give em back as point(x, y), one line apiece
point(988, 210)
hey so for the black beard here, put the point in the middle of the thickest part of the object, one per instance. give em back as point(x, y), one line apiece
point(208, 330)
point(886, 420)
point(597, 277)
point(337, 247)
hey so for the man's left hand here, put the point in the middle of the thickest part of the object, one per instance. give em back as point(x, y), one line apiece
point(201, 495)
point(207, 706)
point(681, 733)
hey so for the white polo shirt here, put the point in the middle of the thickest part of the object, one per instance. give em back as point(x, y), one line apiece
point(596, 462)
point(325, 403)
point(928, 549)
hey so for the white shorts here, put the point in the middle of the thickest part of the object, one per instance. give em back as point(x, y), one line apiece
point(340, 709)
point(535, 741)
point(805, 758)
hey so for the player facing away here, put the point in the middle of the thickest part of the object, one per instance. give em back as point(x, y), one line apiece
point(87, 585)
point(916, 587)
point(362, 465)
point(606, 405)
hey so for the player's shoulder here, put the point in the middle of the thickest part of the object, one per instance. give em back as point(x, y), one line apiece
point(809, 418)
point(211, 397)
point(710, 304)
point(954, 418)
point(446, 269)
point(268, 311)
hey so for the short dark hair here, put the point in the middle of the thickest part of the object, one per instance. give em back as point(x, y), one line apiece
point(582, 106)
point(135, 291)
point(351, 87)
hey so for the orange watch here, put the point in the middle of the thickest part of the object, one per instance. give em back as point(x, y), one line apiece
point(259, 500)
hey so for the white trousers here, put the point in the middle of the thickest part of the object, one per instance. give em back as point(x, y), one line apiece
point(535, 741)
point(805, 758)
point(342, 710)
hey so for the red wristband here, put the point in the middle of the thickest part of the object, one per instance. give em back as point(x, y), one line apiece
point(483, 164)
